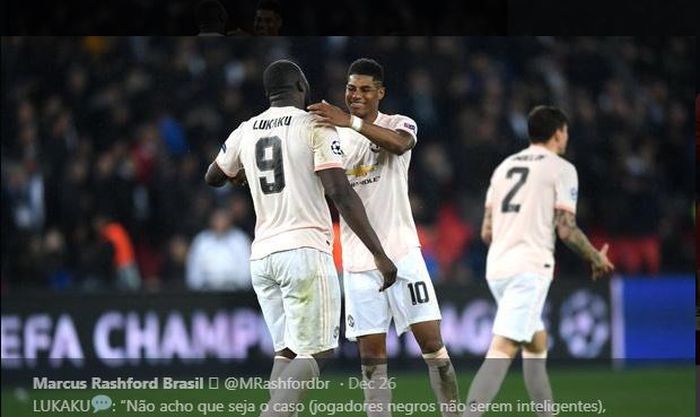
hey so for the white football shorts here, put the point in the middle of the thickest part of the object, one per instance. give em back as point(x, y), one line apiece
point(520, 300)
point(299, 295)
point(410, 300)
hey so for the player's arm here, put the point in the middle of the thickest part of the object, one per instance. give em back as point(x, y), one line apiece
point(487, 222)
point(394, 141)
point(227, 166)
point(216, 177)
point(350, 206)
point(576, 240)
point(487, 226)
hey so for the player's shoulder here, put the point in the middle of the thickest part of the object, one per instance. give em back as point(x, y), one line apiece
point(564, 164)
point(346, 133)
point(512, 158)
point(304, 119)
point(396, 116)
point(398, 120)
point(250, 122)
point(303, 115)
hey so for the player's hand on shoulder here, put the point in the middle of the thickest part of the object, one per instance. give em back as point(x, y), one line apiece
point(319, 121)
point(329, 113)
point(602, 267)
point(387, 269)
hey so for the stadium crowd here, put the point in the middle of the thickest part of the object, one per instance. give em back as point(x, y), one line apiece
point(178, 17)
point(105, 142)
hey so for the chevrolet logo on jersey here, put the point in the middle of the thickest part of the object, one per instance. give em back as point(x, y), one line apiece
point(361, 170)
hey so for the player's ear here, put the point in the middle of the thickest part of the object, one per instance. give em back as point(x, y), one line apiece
point(303, 85)
point(559, 135)
point(380, 92)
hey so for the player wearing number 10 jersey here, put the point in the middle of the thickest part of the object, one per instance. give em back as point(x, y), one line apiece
point(290, 159)
point(378, 151)
point(532, 193)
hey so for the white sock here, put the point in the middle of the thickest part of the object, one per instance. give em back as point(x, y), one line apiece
point(443, 380)
point(278, 366)
point(536, 379)
point(377, 390)
point(302, 368)
point(486, 383)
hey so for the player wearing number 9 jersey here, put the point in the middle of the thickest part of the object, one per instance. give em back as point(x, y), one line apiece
point(290, 159)
point(281, 150)
point(532, 193)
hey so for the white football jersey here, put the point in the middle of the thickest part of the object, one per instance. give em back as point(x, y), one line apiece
point(524, 192)
point(281, 149)
point(380, 178)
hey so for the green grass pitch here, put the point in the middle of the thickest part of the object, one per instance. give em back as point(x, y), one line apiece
point(652, 392)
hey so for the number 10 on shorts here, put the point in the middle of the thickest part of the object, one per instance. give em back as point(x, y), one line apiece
point(419, 292)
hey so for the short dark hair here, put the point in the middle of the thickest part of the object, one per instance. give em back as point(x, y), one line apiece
point(272, 5)
point(543, 121)
point(367, 66)
point(281, 77)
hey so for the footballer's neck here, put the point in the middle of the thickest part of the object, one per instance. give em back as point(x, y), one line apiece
point(550, 145)
point(286, 101)
point(371, 116)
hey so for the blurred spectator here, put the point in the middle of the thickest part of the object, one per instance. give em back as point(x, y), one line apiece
point(268, 18)
point(173, 136)
point(26, 196)
point(124, 262)
point(453, 239)
point(175, 17)
point(126, 126)
point(58, 275)
point(219, 256)
point(95, 263)
point(211, 17)
point(175, 266)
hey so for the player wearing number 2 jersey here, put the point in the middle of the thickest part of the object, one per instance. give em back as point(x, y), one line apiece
point(532, 193)
point(289, 159)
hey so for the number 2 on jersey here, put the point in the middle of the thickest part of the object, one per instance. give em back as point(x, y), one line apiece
point(270, 162)
point(506, 206)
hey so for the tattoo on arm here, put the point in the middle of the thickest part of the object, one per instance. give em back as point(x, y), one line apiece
point(573, 237)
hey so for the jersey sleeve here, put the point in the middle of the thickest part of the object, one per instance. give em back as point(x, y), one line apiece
point(325, 144)
point(566, 189)
point(229, 157)
point(406, 124)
